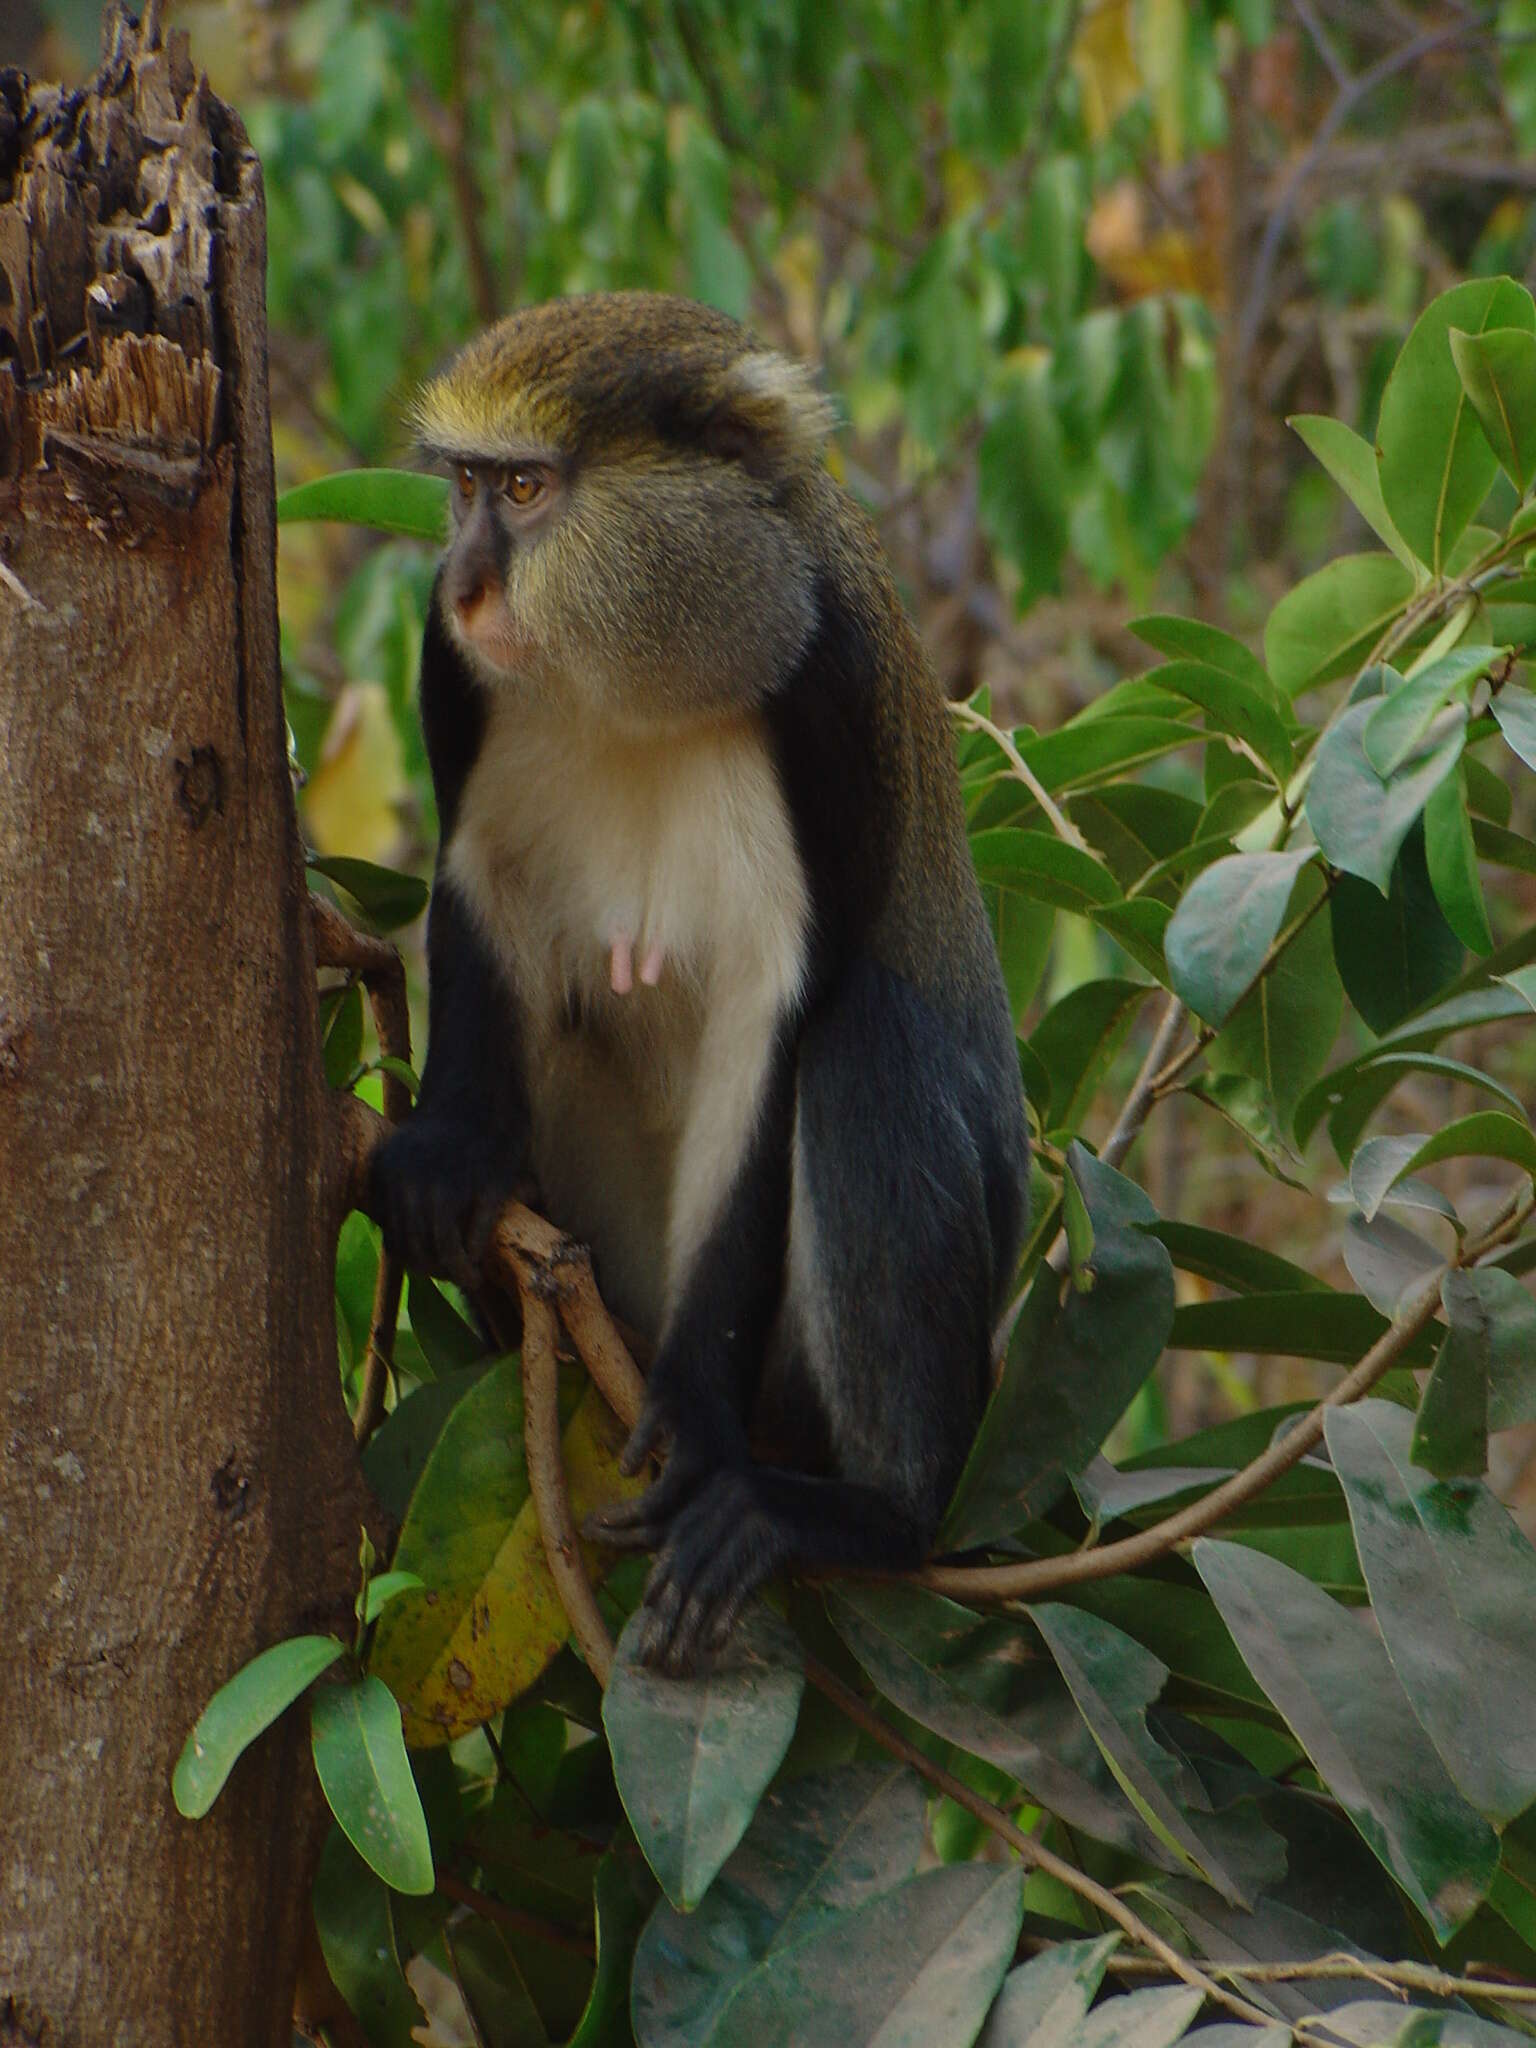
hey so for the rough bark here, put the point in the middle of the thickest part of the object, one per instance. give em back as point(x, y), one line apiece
point(177, 1484)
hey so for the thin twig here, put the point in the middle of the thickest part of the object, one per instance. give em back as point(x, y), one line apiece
point(546, 1470)
point(1034, 1853)
point(1030, 1579)
point(1061, 825)
point(1407, 1976)
point(514, 1918)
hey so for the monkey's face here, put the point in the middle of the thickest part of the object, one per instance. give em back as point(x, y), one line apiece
point(629, 485)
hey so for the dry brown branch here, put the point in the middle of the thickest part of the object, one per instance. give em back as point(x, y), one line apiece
point(378, 965)
point(1033, 1852)
point(1399, 1977)
point(538, 1287)
point(1103, 1560)
point(1061, 825)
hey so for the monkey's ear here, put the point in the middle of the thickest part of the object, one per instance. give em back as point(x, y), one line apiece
point(772, 415)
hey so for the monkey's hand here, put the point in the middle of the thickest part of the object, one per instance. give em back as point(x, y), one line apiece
point(436, 1190)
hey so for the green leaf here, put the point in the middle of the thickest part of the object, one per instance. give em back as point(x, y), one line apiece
point(1486, 1134)
point(1450, 1433)
point(692, 1756)
point(1087, 751)
point(1233, 707)
point(1367, 1086)
point(354, 1919)
point(917, 1967)
point(1515, 711)
point(1043, 2002)
point(239, 1711)
point(1114, 1680)
point(1359, 819)
point(1399, 724)
point(1194, 640)
point(1072, 1366)
point(387, 897)
point(1393, 955)
point(1331, 620)
point(1336, 1688)
point(1154, 2018)
point(1453, 1586)
point(1283, 1029)
point(366, 1777)
point(1388, 1262)
point(1434, 462)
point(818, 1848)
point(344, 1037)
point(1369, 2022)
point(622, 1897)
point(390, 500)
point(384, 1588)
point(1497, 369)
point(1351, 462)
point(1452, 860)
point(1338, 1327)
point(1043, 868)
point(1512, 1347)
point(447, 1341)
point(1075, 1041)
point(1225, 924)
point(982, 1684)
point(397, 1451)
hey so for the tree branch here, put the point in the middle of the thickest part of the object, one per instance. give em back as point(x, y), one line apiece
point(514, 1918)
point(1032, 1852)
point(1408, 1976)
point(538, 1290)
point(1061, 825)
point(1103, 1560)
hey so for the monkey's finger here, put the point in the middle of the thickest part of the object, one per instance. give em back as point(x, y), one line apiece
point(645, 1440)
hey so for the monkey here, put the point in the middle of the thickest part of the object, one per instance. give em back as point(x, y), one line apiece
point(707, 958)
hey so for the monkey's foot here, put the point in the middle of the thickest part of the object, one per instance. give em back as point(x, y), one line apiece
point(719, 1549)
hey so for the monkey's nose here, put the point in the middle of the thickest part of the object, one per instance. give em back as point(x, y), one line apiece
point(469, 600)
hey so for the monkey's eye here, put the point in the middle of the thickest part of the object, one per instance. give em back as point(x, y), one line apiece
point(464, 482)
point(523, 486)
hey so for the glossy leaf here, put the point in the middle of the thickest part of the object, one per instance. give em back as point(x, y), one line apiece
point(1399, 723)
point(1043, 2001)
point(1331, 620)
point(354, 1920)
point(1077, 1038)
point(238, 1713)
point(1072, 1365)
point(447, 1341)
point(1338, 1327)
point(1515, 711)
point(1114, 1680)
point(365, 1774)
point(1434, 462)
point(497, 2000)
point(1225, 924)
point(1367, 1086)
point(1351, 462)
point(490, 1619)
point(389, 500)
point(1332, 1681)
point(817, 1849)
point(1486, 1134)
point(1497, 369)
point(1359, 819)
point(692, 1756)
point(1450, 1432)
point(1372, 2022)
point(622, 1897)
point(1451, 856)
point(1283, 1029)
point(1389, 1263)
point(344, 1037)
point(1453, 1586)
point(1234, 707)
point(1154, 2018)
point(1235, 1262)
point(1042, 867)
point(386, 896)
point(1088, 751)
point(1394, 954)
point(984, 1684)
point(917, 1967)
point(386, 1587)
point(1195, 640)
point(1511, 1314)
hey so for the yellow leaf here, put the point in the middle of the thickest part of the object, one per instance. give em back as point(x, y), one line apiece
point(1104, 58)
point(352, 801)
point(1161, 45)
point(514, 1623)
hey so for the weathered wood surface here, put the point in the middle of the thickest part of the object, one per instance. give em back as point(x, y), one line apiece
point(177, 1487)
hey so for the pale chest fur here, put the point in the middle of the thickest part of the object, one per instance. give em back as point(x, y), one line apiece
point(571, 837)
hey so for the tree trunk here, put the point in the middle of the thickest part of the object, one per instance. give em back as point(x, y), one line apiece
point(177, 1484)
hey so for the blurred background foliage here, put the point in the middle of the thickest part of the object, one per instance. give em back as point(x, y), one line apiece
point(1068, 266)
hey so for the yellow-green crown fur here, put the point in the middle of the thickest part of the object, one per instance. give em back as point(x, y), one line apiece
point(603, 373)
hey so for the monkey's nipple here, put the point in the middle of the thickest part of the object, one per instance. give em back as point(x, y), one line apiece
point(621, 963)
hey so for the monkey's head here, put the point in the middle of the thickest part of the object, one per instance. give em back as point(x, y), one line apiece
point(632, 475)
